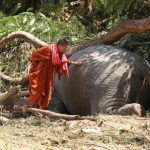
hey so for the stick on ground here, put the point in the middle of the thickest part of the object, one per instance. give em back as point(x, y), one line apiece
point(58, 115)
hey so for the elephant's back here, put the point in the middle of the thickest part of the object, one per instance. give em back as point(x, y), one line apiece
point(108, 60)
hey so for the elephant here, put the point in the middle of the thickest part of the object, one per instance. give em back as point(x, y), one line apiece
point(112, 81)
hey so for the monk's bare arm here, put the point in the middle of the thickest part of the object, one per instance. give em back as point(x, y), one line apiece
point(76, 63)
point(73, 62)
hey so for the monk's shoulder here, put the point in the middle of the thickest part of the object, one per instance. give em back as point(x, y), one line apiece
point(48, 46)
point(45, 48)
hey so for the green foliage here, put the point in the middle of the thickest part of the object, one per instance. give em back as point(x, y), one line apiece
point(115, 22)
point(11, 7)
point(2, 15)
point(118, 6)
point(52, 7)
point(138, 43)
point(89, 13)
point(43, 27)
point(98, 4)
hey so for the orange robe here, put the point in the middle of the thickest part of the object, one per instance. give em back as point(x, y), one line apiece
point(41, 75)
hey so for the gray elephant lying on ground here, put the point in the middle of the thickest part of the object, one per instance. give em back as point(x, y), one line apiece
point(113, 81)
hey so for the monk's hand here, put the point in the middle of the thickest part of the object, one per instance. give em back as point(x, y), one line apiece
point(81, 62)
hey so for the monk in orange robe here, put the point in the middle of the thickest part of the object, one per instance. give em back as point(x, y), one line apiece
point(45, 61)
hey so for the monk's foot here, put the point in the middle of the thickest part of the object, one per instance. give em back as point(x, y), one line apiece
point(131, 109)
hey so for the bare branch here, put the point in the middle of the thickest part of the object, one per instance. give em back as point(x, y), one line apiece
point(11, 92)
point(58, 115)
point(21, 80)
point(22, 35)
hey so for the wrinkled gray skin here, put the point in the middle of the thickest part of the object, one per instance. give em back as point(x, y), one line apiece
point(113, 81)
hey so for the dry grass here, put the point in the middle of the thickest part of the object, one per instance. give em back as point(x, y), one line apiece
point(107, 133)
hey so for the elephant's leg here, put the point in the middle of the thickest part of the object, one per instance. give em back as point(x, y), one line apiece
point(116, 101)
point(117, 107)
point(130, 109)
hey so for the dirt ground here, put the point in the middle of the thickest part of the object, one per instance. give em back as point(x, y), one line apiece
point(106, 133)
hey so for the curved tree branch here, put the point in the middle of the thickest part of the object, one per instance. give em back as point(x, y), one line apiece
point(126, 27)
point(22, 35)
point(21, 80)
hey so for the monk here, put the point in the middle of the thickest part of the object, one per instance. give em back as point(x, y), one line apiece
point(45, 61)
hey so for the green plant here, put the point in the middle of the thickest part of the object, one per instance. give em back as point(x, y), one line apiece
point(118, 6)
point(43, 27)
point(139, 43)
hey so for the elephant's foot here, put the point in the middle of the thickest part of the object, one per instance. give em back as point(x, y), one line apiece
point(131, 109)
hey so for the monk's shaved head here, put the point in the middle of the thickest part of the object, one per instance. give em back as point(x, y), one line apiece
point(62, 45)
point(62, 42)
